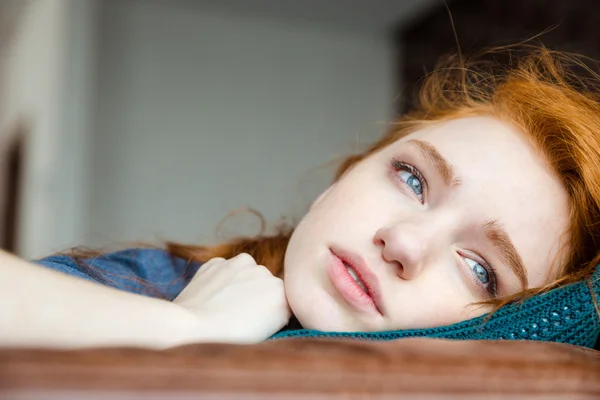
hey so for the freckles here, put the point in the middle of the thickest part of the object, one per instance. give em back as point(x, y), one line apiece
point(357, 196)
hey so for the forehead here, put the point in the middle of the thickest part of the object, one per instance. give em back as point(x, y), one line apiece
point(504, 178)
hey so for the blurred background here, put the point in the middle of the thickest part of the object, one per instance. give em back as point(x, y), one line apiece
point(143, 120)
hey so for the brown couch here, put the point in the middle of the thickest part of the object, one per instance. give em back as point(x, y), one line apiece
point(307, 368)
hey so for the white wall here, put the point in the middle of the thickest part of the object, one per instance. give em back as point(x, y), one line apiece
point(45, 76)
point(33, 93)
point(200, 112)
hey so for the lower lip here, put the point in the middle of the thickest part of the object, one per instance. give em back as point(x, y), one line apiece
point(348, 288)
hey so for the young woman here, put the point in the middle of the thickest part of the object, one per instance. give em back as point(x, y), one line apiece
point(477, 216)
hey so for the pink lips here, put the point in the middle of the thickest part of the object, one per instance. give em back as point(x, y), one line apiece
point(352, 293)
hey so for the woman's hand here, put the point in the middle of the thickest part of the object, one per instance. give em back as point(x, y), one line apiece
point(236, 300)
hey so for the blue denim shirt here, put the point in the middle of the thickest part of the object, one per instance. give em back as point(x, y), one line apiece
point(150, 272)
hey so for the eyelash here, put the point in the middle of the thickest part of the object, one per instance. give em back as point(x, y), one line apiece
point(492, 287)
point(398, 166)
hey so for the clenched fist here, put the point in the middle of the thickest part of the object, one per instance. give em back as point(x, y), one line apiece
point(236, 300)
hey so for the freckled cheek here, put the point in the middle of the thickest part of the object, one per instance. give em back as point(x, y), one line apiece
point(422, 310)
point(429, 301)
point(366, 206)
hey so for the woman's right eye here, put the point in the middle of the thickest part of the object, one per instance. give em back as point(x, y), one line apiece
point(413, 182)
point(411, 177)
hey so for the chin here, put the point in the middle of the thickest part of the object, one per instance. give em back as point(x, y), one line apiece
point(315, 310)
point(322, 323)
point(322, 313)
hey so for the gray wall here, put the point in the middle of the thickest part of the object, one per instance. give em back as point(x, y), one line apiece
point(202, 111)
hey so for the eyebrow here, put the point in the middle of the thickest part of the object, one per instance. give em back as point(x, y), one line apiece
point(499, 238)
point(444, 168)
point(494, 231)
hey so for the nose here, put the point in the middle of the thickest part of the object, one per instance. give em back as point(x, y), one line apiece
point(406, 244)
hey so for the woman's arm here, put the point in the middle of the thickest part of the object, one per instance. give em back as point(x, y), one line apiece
point(40, 307)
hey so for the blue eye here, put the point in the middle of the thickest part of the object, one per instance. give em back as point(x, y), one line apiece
point(479, 271)
point(411, 177)
point(413, 182)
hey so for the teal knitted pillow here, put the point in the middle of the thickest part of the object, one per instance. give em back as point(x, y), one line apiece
point(566, 315)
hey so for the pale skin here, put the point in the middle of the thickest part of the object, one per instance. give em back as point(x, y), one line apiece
point(417, 245)
point(421, 242)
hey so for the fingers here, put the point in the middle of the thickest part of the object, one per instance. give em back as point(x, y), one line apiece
point(242, 263)
point(213, 261)
point(208, 266)
point(243, 258)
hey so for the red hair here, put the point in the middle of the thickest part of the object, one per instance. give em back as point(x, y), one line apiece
point(556, 109)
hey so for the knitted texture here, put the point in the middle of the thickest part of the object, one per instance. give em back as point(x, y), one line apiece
point(566, 315)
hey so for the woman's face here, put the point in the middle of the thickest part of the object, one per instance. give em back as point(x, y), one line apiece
point(452, 214)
